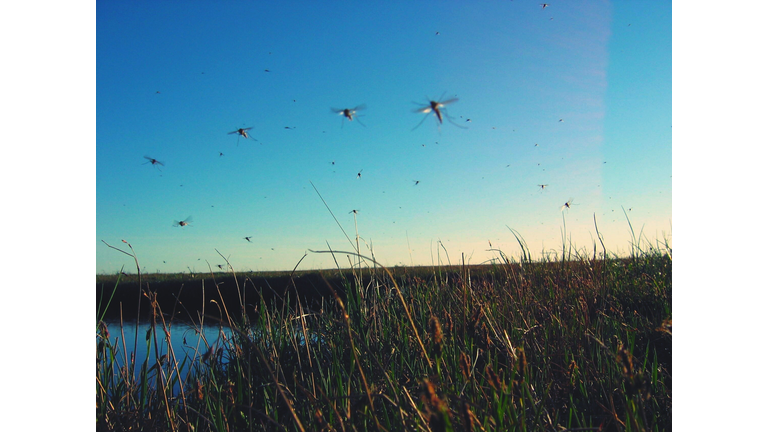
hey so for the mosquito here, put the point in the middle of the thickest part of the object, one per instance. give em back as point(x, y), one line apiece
point(350, 113)
point(154, 162)
point(567, 205)
point(436, 107)
point(242, 132)
point(183, 223)
point(248, 238)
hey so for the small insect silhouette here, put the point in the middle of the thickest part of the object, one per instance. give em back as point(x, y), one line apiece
point(354, 211)
point(561, 120)
point(221, 154)
point(154, 162)
point(416, 182)
point(248, 239)
point(438, 109)
point(242, 132)
point(350, 113)
point(567, 205)
point(544, 5)
point(542, 186)
point(183, 223)
point(360, 174)
point(220, 266)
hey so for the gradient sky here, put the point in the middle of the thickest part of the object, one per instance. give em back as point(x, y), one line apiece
point(604, 68)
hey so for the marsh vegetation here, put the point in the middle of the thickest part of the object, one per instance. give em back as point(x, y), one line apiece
point(578, 341)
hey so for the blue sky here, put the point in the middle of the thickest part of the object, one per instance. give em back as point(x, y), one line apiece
point(604, 68)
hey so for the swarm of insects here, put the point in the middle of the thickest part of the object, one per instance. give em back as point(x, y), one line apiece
point(438, 109)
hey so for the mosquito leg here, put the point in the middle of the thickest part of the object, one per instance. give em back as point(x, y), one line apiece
point(422, 121)
point(450, 119)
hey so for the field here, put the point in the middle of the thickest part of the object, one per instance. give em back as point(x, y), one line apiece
point(580, 341)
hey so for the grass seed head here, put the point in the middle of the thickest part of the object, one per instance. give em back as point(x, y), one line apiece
point(103, 330)
point(320, 421)
point(666, 326)
point(522, 364)
point(464, 363)
point(468, 417)
point(436, 332)
point(624, 358)
point(493, 379)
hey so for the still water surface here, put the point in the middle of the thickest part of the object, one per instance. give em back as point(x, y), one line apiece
point(187, 341)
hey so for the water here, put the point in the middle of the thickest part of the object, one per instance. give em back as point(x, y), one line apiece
point(187, 342)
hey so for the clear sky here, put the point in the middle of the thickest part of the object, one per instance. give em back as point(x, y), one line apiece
point(172, 82)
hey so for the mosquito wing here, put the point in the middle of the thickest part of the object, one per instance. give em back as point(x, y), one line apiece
point(449, 101)
point(423, 109)
point(240, 131)
point(153, 161)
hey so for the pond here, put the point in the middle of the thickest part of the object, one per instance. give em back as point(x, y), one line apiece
point(189, 343)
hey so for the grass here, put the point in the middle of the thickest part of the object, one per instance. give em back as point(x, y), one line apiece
point(572, 342)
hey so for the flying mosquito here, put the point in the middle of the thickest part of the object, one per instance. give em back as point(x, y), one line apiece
point(183, 223)
point(154, 162)
point(567, 205)
point(349, 113)
point(242, 132)
point(248, 238)
point(438, 108)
